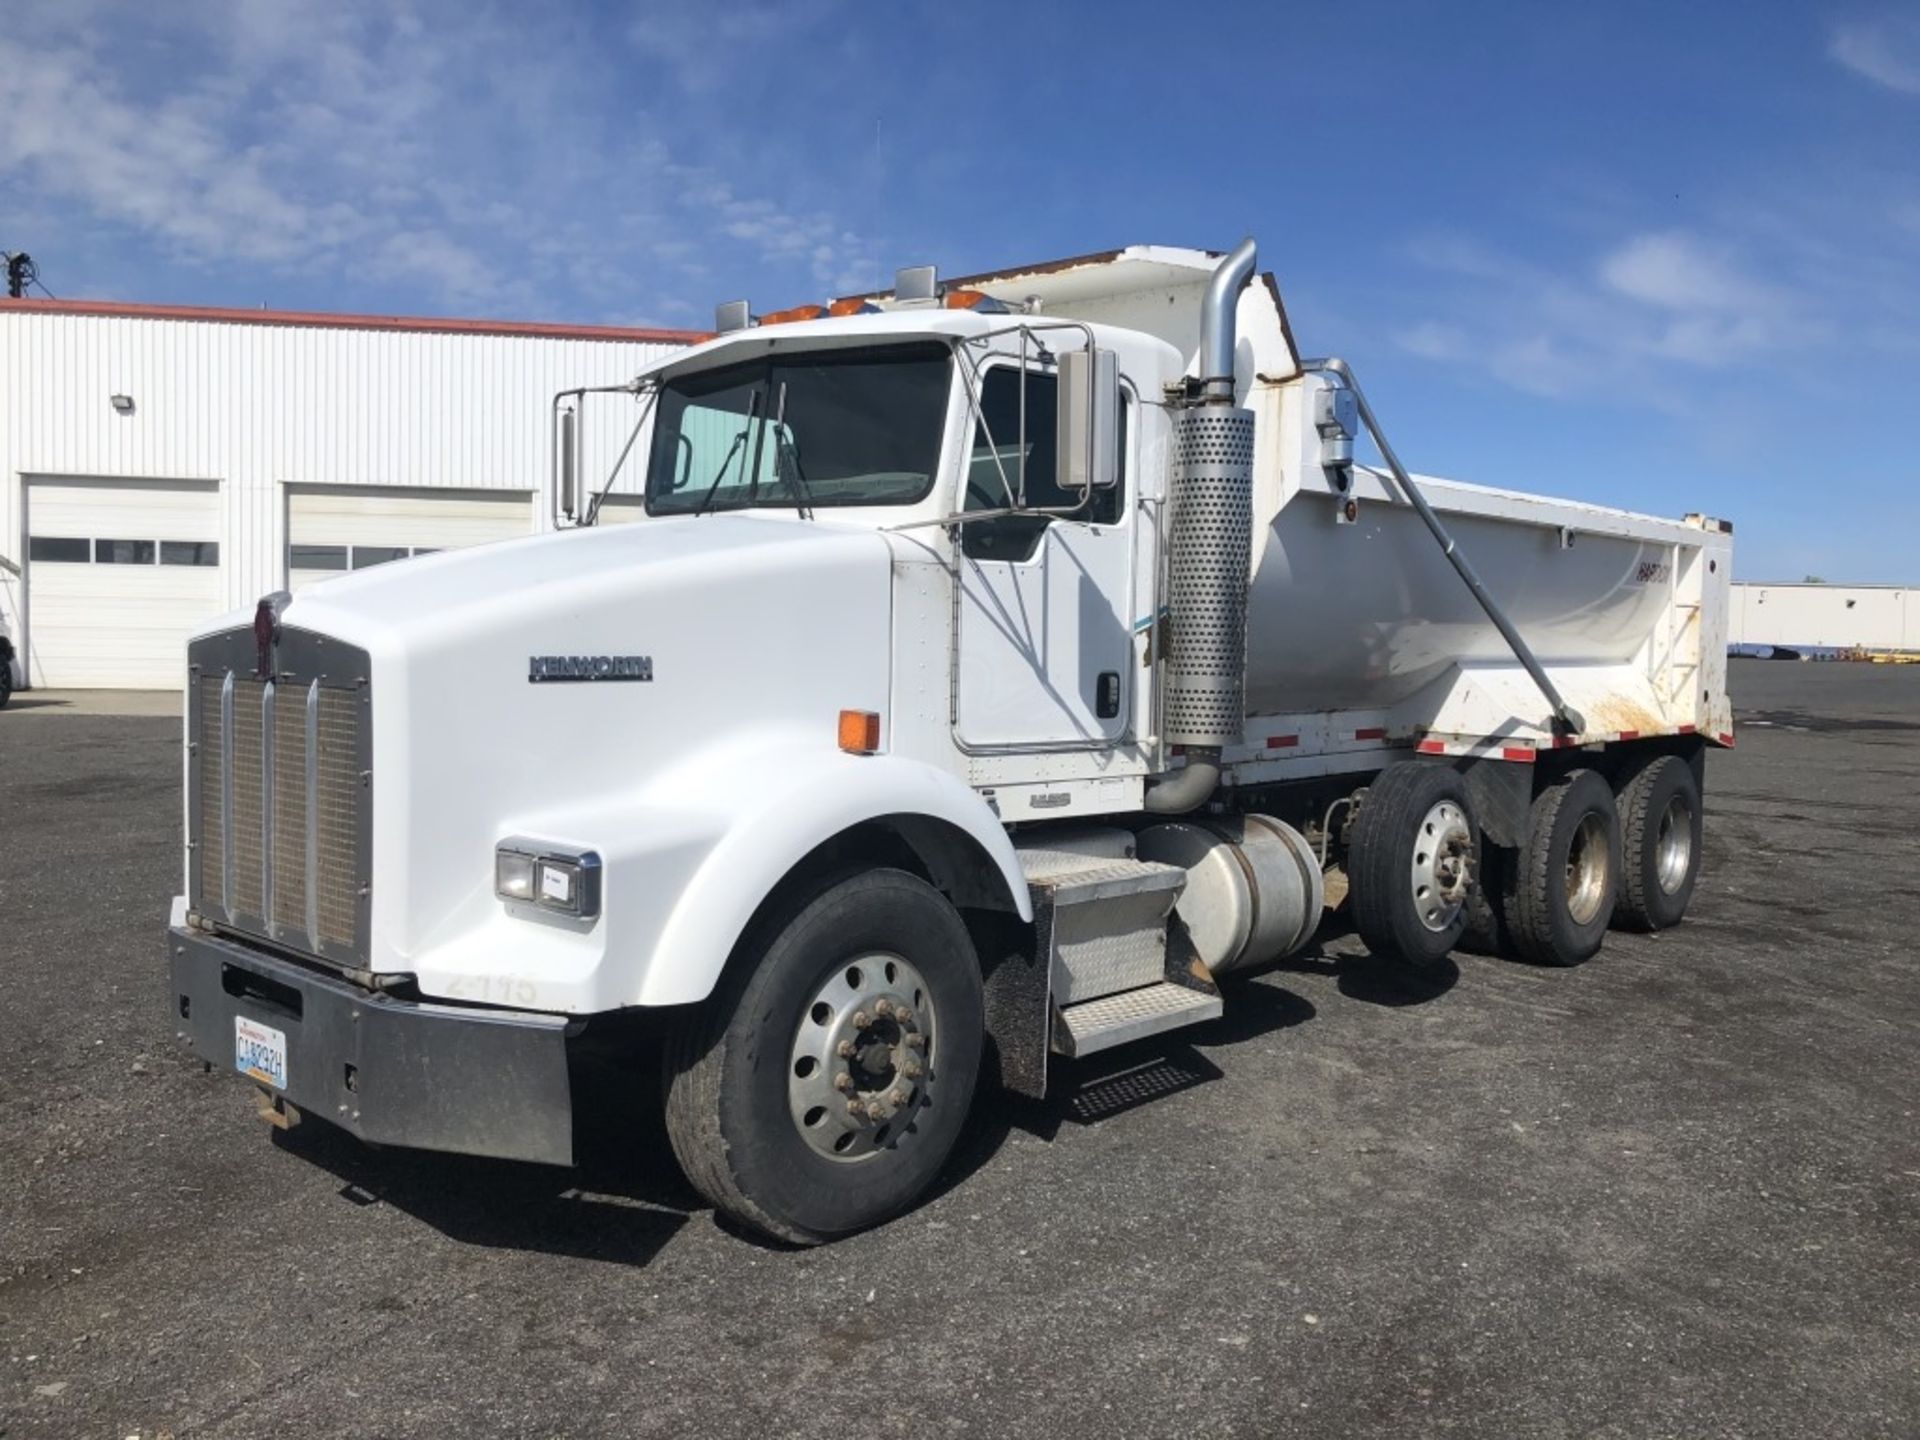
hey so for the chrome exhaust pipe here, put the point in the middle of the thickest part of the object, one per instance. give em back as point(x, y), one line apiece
point(1218, 313)
point(1210, 551)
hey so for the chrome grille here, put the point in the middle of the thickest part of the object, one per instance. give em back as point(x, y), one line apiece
point(280, 792)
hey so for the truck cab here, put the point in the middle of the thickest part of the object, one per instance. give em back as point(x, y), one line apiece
point(906, 738)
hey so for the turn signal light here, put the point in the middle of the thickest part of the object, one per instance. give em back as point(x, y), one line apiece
point(859, 732)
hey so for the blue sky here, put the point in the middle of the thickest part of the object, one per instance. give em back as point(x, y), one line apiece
point(1655, 255)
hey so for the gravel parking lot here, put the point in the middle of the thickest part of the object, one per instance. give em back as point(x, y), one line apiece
point(1675, 1192)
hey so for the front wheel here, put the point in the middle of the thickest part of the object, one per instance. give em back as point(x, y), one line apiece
point(836, 1062)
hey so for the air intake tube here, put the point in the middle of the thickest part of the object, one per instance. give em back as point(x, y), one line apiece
point(1209, 555)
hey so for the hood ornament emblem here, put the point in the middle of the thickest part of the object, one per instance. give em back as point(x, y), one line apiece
point(266, 632)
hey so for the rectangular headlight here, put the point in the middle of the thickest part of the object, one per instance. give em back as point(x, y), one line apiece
point(513, 875)
point(552, 878)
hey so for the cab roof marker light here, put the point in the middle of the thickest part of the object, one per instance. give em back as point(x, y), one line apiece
point(977, 301)
point(795, 313)
point(852, 305)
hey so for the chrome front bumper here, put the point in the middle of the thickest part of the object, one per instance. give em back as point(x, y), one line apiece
point(393, 1072)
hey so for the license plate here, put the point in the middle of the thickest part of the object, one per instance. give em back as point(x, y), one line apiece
point(260, 1051)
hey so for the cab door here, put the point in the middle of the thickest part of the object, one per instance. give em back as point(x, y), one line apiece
point(1044, 632)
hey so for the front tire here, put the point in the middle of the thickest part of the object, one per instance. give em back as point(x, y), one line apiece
point(1561, 890)
point(1410, 862)
point(1660, 834)
point(831, 1073)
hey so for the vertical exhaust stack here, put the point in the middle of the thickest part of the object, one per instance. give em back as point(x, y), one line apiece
point(1210, 551)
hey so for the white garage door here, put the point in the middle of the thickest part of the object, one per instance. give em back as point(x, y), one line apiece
point(118, 573)
point(331, 529)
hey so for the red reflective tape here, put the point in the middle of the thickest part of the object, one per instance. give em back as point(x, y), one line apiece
point(1629, 734)
point(1282, 742)
point(1564, 742)
point(1177, 750)
point(1687, 729)
point(1516, 752)
point(1727, 739)
point(1372, 732)
point(1432, 747)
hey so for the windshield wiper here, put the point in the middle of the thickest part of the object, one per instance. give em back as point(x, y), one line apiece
point(739, 439)
point(786, 460)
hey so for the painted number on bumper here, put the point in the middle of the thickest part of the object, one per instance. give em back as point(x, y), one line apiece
point(260, 1051)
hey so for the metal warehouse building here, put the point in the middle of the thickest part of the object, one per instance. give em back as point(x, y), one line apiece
point(1815, 615)
point(164, 464)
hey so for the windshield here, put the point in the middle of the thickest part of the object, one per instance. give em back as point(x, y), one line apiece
point(833, 427)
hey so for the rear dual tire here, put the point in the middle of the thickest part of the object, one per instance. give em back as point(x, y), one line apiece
point(1559, 893)
point(1410, 858)
point(1660, 827)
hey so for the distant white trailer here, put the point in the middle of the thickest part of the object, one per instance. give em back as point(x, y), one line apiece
point(1808, 615)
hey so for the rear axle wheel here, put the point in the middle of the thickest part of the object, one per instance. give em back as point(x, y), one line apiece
point(1560, 890)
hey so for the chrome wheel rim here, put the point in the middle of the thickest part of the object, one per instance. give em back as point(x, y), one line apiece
point(1587, 869)
point(861, 1061)
point(1442, 870)
point(1673, 844)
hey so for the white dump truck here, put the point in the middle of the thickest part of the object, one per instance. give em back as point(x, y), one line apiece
point(995, 670)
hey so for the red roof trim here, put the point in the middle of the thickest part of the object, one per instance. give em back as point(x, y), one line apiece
point(327, 320)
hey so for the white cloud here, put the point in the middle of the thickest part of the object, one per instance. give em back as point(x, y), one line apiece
point(1652, 305)
point(466, 154)
point(702, 46)
point(1885, 51)
point(1676, 271)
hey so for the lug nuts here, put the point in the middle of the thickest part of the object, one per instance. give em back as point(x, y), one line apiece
point(861, 1020)
point(856, 1108)
point(843, 1082)
point(898, 1097)
point(903, 1015)
point(882, 1009)
point(910, 1069)
point(844, 1049)
point(916, 1041)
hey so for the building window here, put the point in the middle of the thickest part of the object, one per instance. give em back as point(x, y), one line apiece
point(189, 552)
point(319, 557)
point(123, 552)
point(365, 555)
point(59, 550)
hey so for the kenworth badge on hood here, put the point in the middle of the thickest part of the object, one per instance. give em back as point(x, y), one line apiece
point(588, 667)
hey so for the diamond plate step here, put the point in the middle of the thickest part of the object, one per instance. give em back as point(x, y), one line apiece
point(1109, 880)
point(1103, 924)
point(1095, 1025)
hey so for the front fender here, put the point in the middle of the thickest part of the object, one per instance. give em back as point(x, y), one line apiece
point(687, 858)
point(777, 809)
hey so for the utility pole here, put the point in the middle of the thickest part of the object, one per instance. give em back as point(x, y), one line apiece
point(19, 272)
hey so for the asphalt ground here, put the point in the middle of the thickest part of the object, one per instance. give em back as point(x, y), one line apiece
point(1675, 1192)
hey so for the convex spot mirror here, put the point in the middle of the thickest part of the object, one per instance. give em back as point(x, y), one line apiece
point(1088, 443)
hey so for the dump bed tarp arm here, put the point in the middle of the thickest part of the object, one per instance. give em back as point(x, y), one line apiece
point(1568, 717)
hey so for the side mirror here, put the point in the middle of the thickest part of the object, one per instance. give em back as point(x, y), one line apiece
point(567, 459)
point(1088, 441)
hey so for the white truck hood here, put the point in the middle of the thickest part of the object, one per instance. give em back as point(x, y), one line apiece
point(716, 639)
